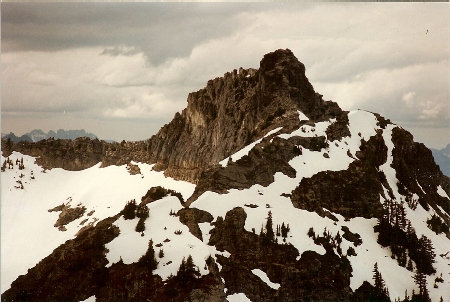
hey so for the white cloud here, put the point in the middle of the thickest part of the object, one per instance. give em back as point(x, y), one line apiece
point(363, 55)
point(408, 98)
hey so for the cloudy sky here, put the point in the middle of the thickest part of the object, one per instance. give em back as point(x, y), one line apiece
point(122, 70)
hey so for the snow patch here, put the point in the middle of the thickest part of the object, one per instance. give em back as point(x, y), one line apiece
point(441, 192)
point(318, 129)
point(263, 276)
point(90, 299)
point(244, 151)
point(387, 166)
point(240, 297)
point(302, 116)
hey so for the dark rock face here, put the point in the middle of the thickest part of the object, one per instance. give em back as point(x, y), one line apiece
point(80, 153)
point(312, 277)
point(230, 112)
point(191, 217)
point(220, 119)
point(352, 192)
point(73, 272)
point(258, 167)
point(234, 110)
point(67, 215)
point(414, 165)
point(134, 282)
point(77, 270)
point(12, 137)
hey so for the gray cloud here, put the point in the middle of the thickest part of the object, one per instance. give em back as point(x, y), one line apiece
point(160, 30)
point(112, 64)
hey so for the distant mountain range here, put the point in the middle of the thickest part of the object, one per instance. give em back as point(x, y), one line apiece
point(38, 135)
point(442, 158)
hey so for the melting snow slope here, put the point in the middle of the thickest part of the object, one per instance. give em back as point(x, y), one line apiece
point(362, 125)
point(160, 227)
point(114, 186)
point(27, 226)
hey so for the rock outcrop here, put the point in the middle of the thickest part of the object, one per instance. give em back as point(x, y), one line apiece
point(234, 110)
point(226, 115)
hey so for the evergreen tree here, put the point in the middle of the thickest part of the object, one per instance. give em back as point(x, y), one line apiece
point(284, 230)
point(338, 238)
point(182, 269)
point(380, 287)
point(187, 270)
point(409, 266)
point(140, 227)
point(191, 269)
point(425, 256)
point(161, 253)
point(129, 211)
point(269, 236)
point(269, 226)
point(421, 281)
point(149, 259)
point(378, 280)
point(21, 165)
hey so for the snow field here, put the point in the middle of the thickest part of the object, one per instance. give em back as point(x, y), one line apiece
point(362, 125)
point(263, 276)
point(130, 245)
point(27, 226)
point(240, 297)
point(244, 151)
point(308, 131)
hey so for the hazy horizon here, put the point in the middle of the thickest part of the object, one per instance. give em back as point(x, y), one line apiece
point(122, 70)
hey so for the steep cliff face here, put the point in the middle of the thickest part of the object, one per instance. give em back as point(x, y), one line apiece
point(226, 115)
point(79, 154)
point(234, 110)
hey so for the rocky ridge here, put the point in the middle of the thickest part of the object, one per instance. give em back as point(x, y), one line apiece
point(336, 172)
point(226, 115)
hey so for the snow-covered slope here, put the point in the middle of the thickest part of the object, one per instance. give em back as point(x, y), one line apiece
point(294, 199)
point(28, 226)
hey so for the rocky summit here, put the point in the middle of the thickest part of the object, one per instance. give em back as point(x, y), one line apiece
point(259, 190)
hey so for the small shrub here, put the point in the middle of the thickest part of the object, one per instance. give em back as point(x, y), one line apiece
point(311, 233)
point(129, 211)
point(351, 251)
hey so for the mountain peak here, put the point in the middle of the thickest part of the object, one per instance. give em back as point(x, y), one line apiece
point(280, 58)
point(343, 190)
point(235, 110)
